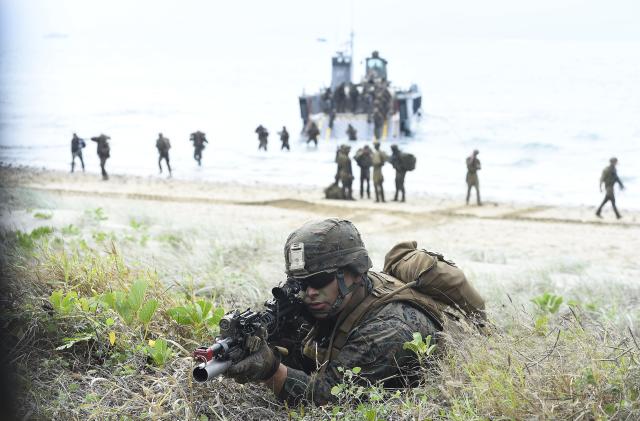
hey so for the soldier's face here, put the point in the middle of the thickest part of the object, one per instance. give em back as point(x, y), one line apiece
point(320, 300)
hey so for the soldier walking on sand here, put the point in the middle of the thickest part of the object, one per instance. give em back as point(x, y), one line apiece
point(104, 152)
point(400, 172)
point(364, 160)
point(609, 178)
point(163, 145)
point(199, 139)
point(345, 173)
point(284, 138)
point(263, 137)
point(473, 165)
point(312, 133)
point(378, 160)
point(77, 145)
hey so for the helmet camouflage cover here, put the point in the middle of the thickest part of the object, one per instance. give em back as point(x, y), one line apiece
point(325, 246)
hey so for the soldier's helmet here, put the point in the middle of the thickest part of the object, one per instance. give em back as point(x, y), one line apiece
point(613, 160)
point(324, 247)
point(476, 152)
point(394, 148)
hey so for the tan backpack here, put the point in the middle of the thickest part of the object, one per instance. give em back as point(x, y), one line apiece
point(436, 277)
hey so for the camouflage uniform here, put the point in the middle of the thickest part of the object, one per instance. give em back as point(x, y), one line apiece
point(400, 172)
point(375, 346)
point(609, 178)
point(345, 172)
point(378, 160)
point(364, 160)
point(104, 152)
point(473, 165)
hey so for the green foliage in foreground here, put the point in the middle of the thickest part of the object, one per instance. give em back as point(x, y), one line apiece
point(117, 340)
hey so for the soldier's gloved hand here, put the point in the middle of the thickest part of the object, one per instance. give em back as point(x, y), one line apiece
point(261, 364)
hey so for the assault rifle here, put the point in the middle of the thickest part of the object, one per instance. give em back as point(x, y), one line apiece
point(282, 314)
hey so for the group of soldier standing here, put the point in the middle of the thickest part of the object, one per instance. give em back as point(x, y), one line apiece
point(365, 157)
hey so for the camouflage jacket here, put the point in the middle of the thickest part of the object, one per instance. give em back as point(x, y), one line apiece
point(375, 345)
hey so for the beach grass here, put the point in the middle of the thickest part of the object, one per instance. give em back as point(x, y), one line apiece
point(100, 326)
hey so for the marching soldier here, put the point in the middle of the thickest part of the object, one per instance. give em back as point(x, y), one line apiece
point(609, 178)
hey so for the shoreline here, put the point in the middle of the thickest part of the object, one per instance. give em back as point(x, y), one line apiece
point(293, 197)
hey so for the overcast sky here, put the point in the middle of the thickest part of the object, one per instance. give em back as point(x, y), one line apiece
point(24, 22)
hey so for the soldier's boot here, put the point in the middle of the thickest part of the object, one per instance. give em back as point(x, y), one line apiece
point(82, 163)
point(615, 209)
point(395, 197)
point(160, 164)
point(478, 197)
point(599, 211)
point(468, 194)
point(403, 199)
point(382, 194)
point(73, 164)
point(376, 191)
point(169, 167)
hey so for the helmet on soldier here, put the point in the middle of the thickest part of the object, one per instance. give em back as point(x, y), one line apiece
point(325, 246)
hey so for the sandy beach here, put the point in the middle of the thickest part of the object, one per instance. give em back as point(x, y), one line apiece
point(495, 242)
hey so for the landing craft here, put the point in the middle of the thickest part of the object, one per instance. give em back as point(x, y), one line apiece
point(334, 108)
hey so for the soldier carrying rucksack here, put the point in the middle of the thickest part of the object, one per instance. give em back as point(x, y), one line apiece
point(364, 160)
point(199, 139)
point(104, 152)
point(402, 162)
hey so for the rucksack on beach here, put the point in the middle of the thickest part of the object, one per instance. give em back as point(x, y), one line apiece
point(408, 161)
point(436, 277)
point(334, 192)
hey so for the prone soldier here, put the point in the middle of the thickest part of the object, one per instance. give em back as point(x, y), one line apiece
point(360, 318)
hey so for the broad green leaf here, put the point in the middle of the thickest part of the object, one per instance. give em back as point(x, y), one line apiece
point(180, 315)
point(136, 295)
point(146, 312)
point(356, 370)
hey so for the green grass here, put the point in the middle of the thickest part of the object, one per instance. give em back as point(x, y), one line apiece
point(102, 328)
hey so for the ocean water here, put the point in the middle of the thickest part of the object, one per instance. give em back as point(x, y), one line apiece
point(545, 115)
